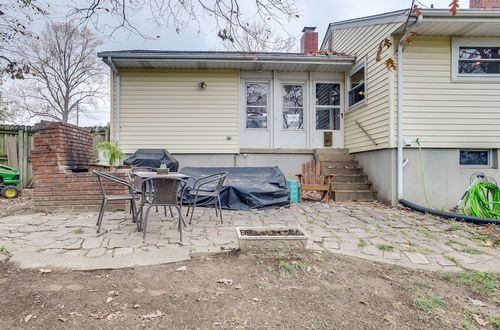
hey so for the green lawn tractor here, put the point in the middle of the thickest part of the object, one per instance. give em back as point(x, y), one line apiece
point(9, 179)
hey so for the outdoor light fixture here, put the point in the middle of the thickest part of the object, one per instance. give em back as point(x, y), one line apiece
point(202, 84)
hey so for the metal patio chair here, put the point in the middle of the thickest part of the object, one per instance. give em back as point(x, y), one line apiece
point(163, 191)
point(207, 192)
point(102, 177)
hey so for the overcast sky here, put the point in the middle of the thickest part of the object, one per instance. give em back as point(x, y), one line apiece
point(312, 13)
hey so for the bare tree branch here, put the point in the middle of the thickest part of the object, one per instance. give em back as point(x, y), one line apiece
point(66, 73)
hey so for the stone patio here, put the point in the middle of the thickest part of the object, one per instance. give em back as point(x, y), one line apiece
point(367, 230)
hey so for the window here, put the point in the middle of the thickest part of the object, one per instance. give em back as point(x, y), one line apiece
point(293, 106)
point(476, 59)
point(327, 106)
point(256, 105)
point(357, 85)
point(475, 157)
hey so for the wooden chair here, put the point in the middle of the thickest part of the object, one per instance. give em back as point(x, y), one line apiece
point(311, 179)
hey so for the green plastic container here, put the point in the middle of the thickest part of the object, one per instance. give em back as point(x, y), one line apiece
point(294, 191)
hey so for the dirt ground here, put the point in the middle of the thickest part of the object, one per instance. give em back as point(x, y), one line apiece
point(311, 291)
point(23, 204)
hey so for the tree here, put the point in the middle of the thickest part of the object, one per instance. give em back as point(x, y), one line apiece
point(15, 19)
point(262, 38)
point(233, 18)
point(66, 74)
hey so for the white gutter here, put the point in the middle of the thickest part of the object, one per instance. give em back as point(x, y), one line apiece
point(117, 99)
point(400, 107)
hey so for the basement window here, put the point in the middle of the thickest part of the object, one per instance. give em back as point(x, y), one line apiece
point(356, 84)
point(481, 158)
point(477, 60)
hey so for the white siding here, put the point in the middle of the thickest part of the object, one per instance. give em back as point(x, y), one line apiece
point(442, 113)
point(166, 109)
point(375, 115)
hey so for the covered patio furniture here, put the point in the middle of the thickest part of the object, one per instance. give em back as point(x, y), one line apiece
point(153, 158)
point(245, 188)
point(161, 190)
point(208, 186)
point(102, 178)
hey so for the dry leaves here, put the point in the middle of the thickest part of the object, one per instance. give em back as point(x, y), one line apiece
point(480, 321)
point(45, 270)
point(29, 317)
point(152, 315)
point(225, 281)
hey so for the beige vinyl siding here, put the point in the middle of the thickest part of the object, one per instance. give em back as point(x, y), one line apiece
point(442, 113)
point(374, 116)
point(167, 109)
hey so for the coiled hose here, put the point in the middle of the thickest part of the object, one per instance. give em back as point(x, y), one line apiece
point(482, 200)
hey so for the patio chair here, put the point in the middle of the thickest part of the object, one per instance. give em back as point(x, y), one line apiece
point(311, 179)
point(137, 181)
point(163, 191)
point(103, 177)
point(197, 190)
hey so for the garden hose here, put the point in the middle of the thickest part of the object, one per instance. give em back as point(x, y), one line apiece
point(482, 200)
point(422, 170)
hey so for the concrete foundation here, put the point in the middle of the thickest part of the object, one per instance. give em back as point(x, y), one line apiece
point(289, 164)
point(445, 179)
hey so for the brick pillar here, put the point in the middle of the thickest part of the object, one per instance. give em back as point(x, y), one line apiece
point(309, 40)
point(485, 4)
point(62, 160)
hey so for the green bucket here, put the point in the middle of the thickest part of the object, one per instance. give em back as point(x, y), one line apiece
point(294, 191)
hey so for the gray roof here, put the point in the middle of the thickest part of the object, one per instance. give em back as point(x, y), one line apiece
point(262, 61)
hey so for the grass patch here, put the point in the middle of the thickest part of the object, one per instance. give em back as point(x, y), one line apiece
point(385, 247)
point(427, 233)
point(429, 303)
point(310, 221)
point(286, 268)
point(262, 285)
point(79, 231)
point(495, 319)
point(471, 250)
point(450, 242)
point(362, 243)
point(453, 228)
point(488, 282)
point(2, 249)
point(454, 260)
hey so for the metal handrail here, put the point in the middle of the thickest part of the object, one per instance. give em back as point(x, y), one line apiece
point(366, 133)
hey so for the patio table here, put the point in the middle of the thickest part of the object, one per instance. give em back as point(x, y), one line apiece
point(146, 175)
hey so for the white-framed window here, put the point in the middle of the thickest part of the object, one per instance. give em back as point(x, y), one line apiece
point(293, 106)
point(475, 158)
point(256, 104)
point(327, 106)
point(476, 59)
point(356, 85)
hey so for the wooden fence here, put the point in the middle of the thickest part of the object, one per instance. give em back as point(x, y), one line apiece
point(16, 144)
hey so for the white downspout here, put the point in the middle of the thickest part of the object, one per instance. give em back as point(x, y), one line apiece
point(117, 99)
point(400, 107)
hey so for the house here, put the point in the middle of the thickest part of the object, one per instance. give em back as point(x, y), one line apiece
point(256, 109)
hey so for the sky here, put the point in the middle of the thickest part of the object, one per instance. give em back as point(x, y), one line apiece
point(317, 13)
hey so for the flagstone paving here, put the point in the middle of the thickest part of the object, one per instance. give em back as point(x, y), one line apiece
point(367, 230)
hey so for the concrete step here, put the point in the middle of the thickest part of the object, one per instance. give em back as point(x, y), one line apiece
point(350, 178)
point(339, 163)
point(350, 186)
point(343, 170)
point(354, 195)
point(332, 154)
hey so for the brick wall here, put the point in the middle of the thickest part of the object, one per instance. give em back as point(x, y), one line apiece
point(309, 42)
point(63, 159)
point(484, 4)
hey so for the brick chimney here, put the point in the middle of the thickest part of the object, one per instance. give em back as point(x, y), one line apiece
point(309, 40)
point(486, 4)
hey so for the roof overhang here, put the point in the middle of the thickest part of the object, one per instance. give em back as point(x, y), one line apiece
point(467, 23)
point(227, 61)
point(438, 22)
